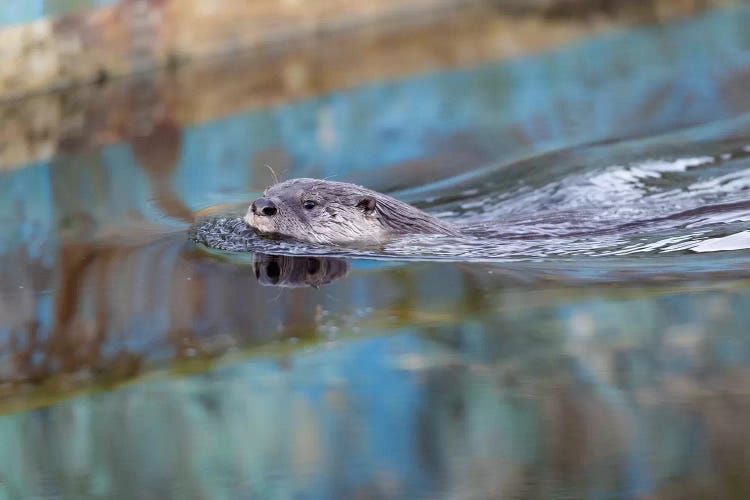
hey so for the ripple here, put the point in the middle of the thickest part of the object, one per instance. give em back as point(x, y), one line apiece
point(653, 209)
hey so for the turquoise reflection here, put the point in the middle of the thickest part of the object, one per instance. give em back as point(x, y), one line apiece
point(533, 400)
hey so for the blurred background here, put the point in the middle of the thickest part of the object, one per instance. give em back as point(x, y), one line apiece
point(135, 363)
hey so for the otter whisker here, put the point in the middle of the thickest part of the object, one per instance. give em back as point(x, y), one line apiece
point(333, 298)
point(273, 173)
point(276, 299)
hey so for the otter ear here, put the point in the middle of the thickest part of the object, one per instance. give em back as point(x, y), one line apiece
point(367, 204)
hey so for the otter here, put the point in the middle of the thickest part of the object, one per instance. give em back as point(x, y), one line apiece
point(329, 212)
point(294, 272)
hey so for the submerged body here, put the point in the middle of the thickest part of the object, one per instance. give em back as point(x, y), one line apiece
point(330, 212)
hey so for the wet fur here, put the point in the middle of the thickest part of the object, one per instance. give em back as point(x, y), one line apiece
point(343, 213)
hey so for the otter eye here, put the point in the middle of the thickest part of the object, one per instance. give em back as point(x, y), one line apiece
point(313, 266)
point(309, 204)
point(273, 271)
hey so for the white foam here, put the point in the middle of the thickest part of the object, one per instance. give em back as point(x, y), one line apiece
point(738, 241)
point(679, 165)
point(626, 182)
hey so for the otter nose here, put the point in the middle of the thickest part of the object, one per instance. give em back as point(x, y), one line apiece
point(263, 206)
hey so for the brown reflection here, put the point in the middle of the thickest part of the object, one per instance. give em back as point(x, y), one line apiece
point(293, 272)
point(117, 307)
point(156, 137)
point(158, 153)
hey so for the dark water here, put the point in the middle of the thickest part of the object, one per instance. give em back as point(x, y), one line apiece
point(599, 349)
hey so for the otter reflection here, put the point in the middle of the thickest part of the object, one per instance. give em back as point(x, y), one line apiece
point(295, 272)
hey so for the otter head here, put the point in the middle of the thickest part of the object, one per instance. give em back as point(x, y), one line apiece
point(321, 211)
point(294, 272)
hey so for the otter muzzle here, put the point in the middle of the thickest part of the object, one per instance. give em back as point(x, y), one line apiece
point(263, 206)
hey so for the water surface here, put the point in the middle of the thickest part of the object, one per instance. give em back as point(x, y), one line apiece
point(598, 349)
point(634, 200)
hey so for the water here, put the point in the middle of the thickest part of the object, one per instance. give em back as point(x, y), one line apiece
point(565, 206)
point(592, 344)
